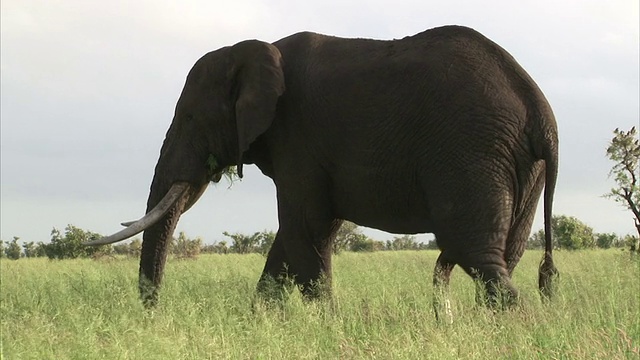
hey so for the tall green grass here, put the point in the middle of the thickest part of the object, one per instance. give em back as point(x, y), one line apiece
point(85, 309)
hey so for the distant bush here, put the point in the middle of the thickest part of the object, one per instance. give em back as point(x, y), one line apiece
point(606, 240)
point(431, 245)
point(349, 237)
point(70, 245)
point(536, 240)
point(184, 248)
point(405, 242)
point(217, 248)
point(259, 242)
point(29, 249)
point(366, 244)
point(572, 234)
point(13, 250)
point(266, 240)
point(132, 248)
point(568, 233)
point(631, 242)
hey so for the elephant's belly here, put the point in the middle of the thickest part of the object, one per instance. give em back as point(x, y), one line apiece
point(397, 224)
point(402, 212)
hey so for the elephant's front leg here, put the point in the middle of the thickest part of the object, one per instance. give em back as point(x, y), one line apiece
point(305, 238)
point(275, 282)
point(309, 258)
point(441, 276)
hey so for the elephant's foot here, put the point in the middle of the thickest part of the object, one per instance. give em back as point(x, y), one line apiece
point(319, 289)
point(274, 289)
point(496, 294)
point(148, 292)
point(441, 277)
point(442, 309)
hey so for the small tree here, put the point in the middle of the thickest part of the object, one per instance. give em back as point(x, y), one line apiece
point(244, 244)
point(222, 247)
point(13, 250)
point(217, 248)
point(121, 249)
point(630, 241)
point(70, 246)
point(404, 242)
point(348, 234)
point(624, 150)
point(571, 233)
point(536, 240)
point(132, 248)
point(431, 245)
point(41, 249)
point(184, 248)
point(606, 240)
point(364, 243)
point(30, 249)
point(266, 239)
point(568, 233)
point(135, 247)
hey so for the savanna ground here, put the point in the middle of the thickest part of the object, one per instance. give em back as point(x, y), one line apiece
point(87, 309)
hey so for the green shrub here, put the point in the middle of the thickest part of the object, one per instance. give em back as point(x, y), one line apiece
point(13, 250)
point(184, 248)
point(217, 248)
point(132, 248)
point(259, 242)
point(364, 243)
point(605, 241)
point(70, 246)
point(404, 242)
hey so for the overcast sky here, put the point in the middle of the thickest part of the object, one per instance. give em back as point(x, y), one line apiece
point(89, 87)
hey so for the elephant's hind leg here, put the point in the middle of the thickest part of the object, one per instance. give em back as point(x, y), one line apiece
point(441, 277)
point(485, 263)
point(521, 227)
point(496, 289)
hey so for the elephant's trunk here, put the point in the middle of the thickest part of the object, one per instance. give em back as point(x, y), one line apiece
point(157, 237)
point(155, 246)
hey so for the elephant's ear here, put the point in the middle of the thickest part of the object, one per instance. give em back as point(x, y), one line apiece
point(259, 84)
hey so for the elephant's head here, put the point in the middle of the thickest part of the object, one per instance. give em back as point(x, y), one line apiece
point(228, 100)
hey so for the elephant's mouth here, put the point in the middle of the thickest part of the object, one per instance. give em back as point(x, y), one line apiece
point(215, 178)
point(172, 197)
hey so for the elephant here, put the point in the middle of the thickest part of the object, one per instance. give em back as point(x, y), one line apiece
point(441, 132)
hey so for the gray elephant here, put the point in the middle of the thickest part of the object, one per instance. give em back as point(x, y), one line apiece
point(440, 132)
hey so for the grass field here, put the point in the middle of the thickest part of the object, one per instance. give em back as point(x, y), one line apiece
point(86, 309)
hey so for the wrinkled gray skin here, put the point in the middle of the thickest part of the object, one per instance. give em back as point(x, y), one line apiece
point(441, 132)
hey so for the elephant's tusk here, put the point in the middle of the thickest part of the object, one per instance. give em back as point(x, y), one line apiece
point(176, 192)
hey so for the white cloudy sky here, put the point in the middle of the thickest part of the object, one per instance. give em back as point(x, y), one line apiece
point(88, 90)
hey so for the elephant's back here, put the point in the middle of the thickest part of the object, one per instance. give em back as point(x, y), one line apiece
point(448, 80)
point(445, 60)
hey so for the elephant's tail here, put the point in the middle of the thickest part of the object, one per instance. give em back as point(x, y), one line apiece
point(549, 153)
